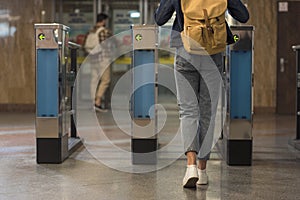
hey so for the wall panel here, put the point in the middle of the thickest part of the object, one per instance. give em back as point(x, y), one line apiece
point(263, 17)
point(17, 59)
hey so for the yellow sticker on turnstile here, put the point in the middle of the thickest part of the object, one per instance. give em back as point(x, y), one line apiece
point(41, 36)
point(138, 37)
point(236, 38)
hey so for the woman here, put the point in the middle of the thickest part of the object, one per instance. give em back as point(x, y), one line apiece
point(202, 72)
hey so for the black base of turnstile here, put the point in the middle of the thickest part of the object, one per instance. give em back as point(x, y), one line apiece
point(144, 151)
point(239, 152)
point(55, 150)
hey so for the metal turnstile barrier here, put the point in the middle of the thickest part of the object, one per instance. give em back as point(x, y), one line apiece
point(296, 143)
point(237, 133)
point(144, 96)
point(54, 80)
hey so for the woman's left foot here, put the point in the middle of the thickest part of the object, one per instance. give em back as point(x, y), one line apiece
point(203, 178)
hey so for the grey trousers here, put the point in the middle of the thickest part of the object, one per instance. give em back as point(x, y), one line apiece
point(198, 82)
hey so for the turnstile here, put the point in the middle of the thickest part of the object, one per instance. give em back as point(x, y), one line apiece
point(237, 133)
point(144, 96)
point(54, 80)
point(296, 142)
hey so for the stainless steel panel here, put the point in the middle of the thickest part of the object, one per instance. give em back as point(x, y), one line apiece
point(45, 39)
point(47, 127)
point(144, 128)
point(144, 36)
point(245, 34)
point(51, 26)
point(240, 129)
point(66, 121)
point(50, 36)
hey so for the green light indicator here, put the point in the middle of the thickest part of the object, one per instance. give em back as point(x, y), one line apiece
point(138, 37)
point(41, 36)
point(236, 38)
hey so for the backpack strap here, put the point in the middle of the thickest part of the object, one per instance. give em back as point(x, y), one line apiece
point(207, 23)
point(99, 30)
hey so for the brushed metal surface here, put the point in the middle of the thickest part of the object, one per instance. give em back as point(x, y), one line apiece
point(148, 35)
point(144, 128)
point(47, 127)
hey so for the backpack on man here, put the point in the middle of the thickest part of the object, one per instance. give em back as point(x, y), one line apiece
point(204, 26)
point(92, 40)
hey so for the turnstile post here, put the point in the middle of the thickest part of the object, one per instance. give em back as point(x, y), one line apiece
point(144, 97)
point(238, 127)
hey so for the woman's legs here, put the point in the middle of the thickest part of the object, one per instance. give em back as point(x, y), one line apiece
point(187, 84)
point(197, 115)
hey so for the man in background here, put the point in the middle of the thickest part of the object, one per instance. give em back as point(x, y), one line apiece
point(100, 60)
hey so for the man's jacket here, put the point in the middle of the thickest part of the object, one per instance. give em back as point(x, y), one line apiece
point(167, 7)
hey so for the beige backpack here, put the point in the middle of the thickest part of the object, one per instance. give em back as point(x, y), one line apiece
point(204, 26)
point(92, 40)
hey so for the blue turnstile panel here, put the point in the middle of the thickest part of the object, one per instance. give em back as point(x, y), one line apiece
point(47, 82)
point(144, 84)
point(240, 84)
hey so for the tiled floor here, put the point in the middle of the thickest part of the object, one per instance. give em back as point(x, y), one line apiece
point(275, 173)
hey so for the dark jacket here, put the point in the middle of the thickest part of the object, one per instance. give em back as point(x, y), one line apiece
point(167, 7)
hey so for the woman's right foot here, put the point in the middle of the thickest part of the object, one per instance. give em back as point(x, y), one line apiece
point(191, 177)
